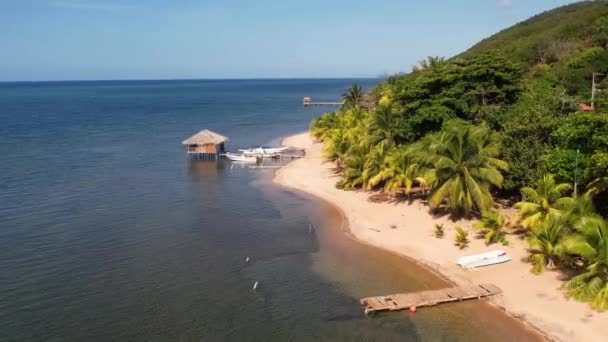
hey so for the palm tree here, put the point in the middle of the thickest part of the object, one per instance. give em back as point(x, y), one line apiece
point(461, 238)
point(355, 117)
point(321, 126)
point(592, 245)
point(580, 208)
point(597, 186)
point(546, 199)
point(375, 163)
point(546, 243)
point(400, 171)
point(336, 147)
point(382, 127)
point(427, 178)
point(439, 231)
point(431, 62)
point(465, 165)
point(353, 170)
point(353, 96)
point(491, 224)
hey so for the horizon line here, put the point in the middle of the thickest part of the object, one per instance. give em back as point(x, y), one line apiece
point(379, 77)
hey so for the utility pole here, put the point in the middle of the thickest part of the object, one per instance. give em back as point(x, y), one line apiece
point(594, 88)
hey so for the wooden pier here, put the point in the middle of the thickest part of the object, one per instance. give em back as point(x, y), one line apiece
point(307, 101)
point(403, 301)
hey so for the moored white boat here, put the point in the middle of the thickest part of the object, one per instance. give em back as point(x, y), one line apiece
point(484, 259)
point(275, 149)
point(241, 158)
point(264, 151)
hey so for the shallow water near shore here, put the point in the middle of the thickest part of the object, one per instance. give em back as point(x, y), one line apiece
point(108, 232)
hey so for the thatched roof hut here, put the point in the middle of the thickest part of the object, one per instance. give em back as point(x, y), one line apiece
point(205, 137)
point(207, 143)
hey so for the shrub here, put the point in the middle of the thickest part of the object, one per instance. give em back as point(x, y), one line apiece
point(461, 238)
point(439, 232)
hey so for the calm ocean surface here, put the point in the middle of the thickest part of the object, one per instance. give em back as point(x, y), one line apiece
point(108, 232)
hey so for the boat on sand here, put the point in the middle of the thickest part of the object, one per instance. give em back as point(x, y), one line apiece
point(484, 259)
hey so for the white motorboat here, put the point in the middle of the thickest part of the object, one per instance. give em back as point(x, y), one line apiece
point(241, 158)
point(274, 149)
point(259, 153)
point(484, 259)
point(264, 151)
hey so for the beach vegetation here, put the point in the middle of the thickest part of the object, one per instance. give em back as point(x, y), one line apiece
point(545, 200)
point(461, 237)
point(337, 147)
point(591, 243)
point(509, 117)
point(464, 161)
point(400, 171)
point(439, 231)
point(491, 225)
point(546, 243)
point(597, 186)
point(353, 96)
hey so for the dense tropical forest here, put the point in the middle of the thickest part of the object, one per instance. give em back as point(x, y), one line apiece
point(513, 118)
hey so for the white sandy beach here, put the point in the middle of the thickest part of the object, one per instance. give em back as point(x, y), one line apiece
point(534, 299)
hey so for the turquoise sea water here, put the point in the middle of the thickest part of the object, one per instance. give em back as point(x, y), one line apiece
point(108, 232)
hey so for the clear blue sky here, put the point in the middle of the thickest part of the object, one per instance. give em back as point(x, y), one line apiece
point(157, 39)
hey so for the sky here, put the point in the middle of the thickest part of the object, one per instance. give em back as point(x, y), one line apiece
point(174, 39)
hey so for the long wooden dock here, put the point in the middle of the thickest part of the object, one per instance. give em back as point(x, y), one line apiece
point(323, 104)
point(402, 301)
point(307, 101)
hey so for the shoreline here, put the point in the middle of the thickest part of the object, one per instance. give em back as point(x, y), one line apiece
point(535, 301)
point(344, 227)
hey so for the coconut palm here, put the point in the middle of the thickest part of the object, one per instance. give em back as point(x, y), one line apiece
point(465, 165)
point(491, 224)
point(580, 208)
point(382, 127)
point(353, 96)
point(427, 178)
point(544, 200)
point(321, 126)
point(354, 167)
point(354, 117)
point(400, 171)
point(546, 244)
point(439, 231)
point(375, 162)
point(461, 238)
point(597, 186)
point(336, 147)
point(592, 244)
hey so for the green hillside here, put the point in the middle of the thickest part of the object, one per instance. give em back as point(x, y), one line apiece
point(508, 118)
point(572, 40)
point(568, 24)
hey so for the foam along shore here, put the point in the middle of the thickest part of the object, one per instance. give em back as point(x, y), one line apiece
point(535, 299)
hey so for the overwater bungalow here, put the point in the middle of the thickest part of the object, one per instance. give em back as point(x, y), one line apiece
point(205, 145)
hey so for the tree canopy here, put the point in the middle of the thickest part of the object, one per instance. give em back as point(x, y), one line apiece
point(508, 117)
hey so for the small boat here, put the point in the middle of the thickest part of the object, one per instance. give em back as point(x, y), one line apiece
point(260, 154)
point(274, 149)
point(484, 259)
point(241, 158)
point(264, 151)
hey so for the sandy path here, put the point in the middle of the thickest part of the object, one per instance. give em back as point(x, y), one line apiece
point(534, 299)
